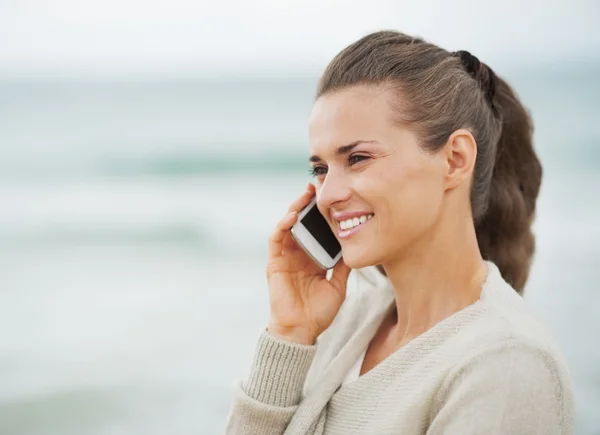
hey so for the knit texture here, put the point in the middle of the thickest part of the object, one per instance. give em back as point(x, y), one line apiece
point(490, 368)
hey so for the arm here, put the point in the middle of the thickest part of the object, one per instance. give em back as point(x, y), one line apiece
point(266, 402)
point(515, 389)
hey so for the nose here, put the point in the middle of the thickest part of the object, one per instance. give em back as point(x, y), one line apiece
point(334, 189)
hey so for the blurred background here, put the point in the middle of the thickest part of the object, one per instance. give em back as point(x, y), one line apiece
point(147, 149)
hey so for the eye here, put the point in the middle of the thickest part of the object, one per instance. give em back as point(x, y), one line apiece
point(316, 171)
point(356, 158)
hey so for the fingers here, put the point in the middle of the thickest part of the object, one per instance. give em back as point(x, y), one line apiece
point(278, 235)
point(303, 200)
point(339, 277)
point(283, 226)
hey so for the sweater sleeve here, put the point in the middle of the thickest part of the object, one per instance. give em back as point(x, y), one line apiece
point(265, 403)
point(515, 390)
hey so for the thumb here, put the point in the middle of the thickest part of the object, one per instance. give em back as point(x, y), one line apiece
point(339, 277)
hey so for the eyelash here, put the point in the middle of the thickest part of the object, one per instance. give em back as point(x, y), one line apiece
point(316, 170)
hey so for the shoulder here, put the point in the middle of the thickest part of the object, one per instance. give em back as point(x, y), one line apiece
point(508, 358)
point(508, 318)
point(502, 318)
point(511, 387)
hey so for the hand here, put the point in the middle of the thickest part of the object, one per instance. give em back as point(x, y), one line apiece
point(303, 302)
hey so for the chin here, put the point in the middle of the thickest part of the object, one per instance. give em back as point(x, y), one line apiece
point(357, 258)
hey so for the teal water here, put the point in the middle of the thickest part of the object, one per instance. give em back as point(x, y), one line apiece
point(133, 232)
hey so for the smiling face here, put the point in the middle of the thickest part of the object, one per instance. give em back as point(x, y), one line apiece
point(380, 191)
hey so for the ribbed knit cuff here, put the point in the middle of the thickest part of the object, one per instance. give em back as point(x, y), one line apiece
point(279, 371)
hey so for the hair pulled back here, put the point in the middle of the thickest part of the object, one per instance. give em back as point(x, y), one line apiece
point(440, 92)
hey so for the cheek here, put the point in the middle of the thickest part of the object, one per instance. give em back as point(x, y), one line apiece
point(412, 199)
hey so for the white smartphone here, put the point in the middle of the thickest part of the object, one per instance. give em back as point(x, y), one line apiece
point(314, 235)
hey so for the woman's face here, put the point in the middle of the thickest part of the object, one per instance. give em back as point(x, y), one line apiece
point(366, 165)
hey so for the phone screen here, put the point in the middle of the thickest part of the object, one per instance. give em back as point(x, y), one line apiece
point(318, 227)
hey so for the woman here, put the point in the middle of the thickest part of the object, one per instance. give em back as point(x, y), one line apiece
point(436, 150)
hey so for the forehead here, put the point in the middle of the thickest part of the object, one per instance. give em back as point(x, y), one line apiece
point(356, 113)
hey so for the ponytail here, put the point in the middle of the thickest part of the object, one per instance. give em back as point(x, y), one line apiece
point(504, 231)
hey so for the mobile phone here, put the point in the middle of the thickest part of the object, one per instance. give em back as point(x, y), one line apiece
point(312, 232)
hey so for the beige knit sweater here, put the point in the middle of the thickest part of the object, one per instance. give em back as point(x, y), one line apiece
point(490, 368)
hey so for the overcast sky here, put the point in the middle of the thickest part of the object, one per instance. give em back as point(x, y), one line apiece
point(76, 37)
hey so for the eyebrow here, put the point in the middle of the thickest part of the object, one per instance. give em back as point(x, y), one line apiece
point(344, 149)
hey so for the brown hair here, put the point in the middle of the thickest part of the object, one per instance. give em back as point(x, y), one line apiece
point(440, 92)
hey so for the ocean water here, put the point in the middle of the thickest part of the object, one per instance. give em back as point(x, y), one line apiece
point(133, 227)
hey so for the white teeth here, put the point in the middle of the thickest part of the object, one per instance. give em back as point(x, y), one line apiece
point(351, 223)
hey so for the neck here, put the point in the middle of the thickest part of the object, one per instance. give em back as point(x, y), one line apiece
point(443, 274)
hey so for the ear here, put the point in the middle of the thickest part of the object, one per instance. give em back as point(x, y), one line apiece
point(460, 152)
